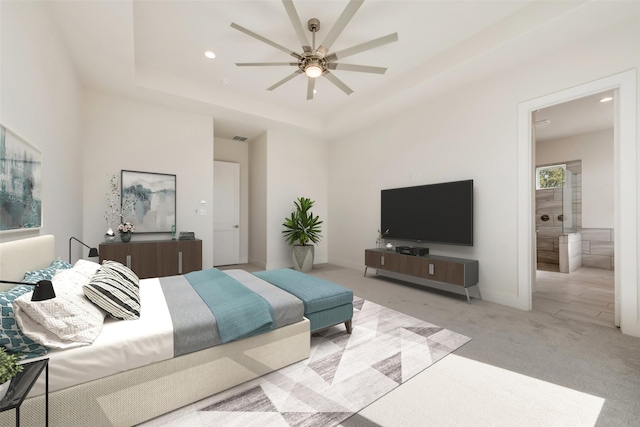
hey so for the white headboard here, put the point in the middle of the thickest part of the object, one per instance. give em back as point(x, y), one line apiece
point(19, 256)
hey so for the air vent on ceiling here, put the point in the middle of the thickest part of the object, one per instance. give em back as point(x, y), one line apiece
point(240, 138)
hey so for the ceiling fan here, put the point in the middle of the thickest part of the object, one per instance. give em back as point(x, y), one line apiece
point(316, 62)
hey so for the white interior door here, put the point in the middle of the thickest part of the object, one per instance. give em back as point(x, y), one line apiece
point(534, 283)
point(226, 213)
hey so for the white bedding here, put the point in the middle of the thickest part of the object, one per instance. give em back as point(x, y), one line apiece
point(122, 345)
point(122, 396)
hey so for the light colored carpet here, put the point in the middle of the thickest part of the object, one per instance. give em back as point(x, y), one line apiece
point(344, 374)
point(462, 392)
point(581, 358)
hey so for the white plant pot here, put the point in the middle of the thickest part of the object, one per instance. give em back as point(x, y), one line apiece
point(4, 387)
point(303, 258)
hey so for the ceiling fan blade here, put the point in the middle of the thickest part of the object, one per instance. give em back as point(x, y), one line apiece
point(264, 40)
point(360, 68)
point(371, 44)
point(336, 81)
point(311, 84)
point(265, 64)
point(297, 24)
point(286, 79)
point(341, 23)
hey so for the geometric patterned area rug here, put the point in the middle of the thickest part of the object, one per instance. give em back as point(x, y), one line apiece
point(343, 374)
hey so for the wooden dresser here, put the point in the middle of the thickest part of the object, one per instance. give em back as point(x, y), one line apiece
point(155, 258)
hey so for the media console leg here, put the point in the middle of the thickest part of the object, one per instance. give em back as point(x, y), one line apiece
point(466, 291)
point(479, 295)
point(365, 270)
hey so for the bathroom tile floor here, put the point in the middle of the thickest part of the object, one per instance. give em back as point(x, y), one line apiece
point(586, 294)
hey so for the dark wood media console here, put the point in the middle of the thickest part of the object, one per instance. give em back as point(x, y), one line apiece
point(451, 271)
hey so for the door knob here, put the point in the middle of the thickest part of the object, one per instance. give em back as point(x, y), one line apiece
point(236, 226)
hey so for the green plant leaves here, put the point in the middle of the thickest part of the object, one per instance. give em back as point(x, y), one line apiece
point(302, 226)
point(8, 365)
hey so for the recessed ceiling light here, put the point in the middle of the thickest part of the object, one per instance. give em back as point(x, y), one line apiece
point(606, 99)
point(209, 54)
point(315, 91)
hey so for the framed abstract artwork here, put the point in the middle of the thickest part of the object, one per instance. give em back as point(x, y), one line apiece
point(148, 201)
point(20, 183)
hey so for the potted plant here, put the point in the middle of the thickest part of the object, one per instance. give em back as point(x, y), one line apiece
point(301, 228)
point(8, 369)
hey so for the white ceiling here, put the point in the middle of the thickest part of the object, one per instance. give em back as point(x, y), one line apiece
point(154, 50)
point(582, 115)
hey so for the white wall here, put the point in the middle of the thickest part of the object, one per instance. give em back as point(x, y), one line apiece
point(595, 149)
point(258, 201)
point(296, 167)
point(120, 133)
point(469, 132)
point(41, 101)
point(227, 150)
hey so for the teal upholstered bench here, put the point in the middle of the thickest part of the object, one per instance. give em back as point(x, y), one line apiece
point(325, 303)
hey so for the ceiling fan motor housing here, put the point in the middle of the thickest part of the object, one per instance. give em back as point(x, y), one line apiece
point(313, 25)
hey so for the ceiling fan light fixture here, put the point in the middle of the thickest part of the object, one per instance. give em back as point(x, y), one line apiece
point(313, 70)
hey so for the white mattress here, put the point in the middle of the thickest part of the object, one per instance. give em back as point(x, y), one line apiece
point(122, 345)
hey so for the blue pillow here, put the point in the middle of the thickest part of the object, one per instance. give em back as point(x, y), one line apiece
point(11, 337)
point(46, 273)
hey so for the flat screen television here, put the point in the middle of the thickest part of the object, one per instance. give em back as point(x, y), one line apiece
point(435, 213)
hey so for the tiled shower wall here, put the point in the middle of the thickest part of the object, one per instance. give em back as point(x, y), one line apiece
point(597, 243)
point(549, 202)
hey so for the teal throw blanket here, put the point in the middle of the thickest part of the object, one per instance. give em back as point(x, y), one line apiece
point(239, 311)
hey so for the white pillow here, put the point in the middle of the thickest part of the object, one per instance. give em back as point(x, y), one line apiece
point(86, 268)
point(68, 320)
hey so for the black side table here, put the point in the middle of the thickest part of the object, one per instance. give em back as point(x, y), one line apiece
point(21, 385)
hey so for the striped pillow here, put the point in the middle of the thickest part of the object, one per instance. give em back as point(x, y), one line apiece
point(115, 289)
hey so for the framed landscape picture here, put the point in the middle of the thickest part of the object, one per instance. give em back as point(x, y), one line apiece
point(153, 200)
point(20, 183)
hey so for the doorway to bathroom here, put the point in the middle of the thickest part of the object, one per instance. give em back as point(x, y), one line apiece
point(574, 209)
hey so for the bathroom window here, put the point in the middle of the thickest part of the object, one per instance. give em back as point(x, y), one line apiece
point(550, 176)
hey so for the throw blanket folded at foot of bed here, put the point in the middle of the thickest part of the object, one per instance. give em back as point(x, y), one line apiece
point(209, 307)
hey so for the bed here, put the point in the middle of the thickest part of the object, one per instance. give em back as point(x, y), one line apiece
point(87, 388)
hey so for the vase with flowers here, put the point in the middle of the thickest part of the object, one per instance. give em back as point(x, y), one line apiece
point(126, 230)
point(116, 207)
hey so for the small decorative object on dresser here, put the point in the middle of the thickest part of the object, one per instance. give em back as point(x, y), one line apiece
point(110, 236)
point(116, 207)
point(126, 230)
point(380, 238)
point(9, 368)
